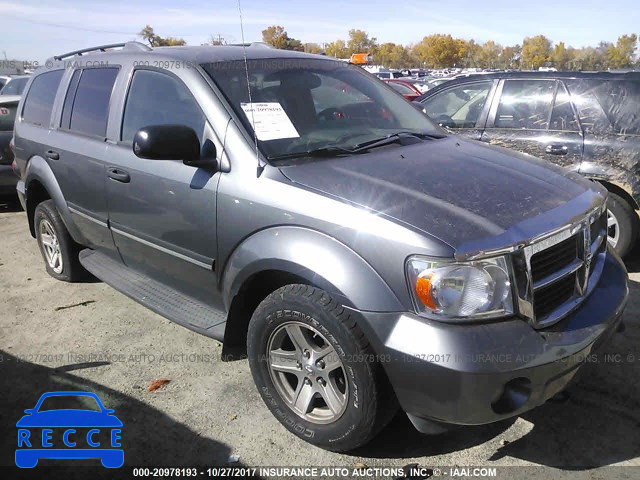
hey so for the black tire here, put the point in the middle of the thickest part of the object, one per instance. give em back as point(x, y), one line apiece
point(370, 401)
point(70, 269)
point(627, 224)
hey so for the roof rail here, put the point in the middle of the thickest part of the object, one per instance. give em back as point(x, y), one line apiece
point(251, 44)
point(103, 48)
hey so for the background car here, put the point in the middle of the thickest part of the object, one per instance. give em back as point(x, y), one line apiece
point(586, 122)
point(384, 75)
point(15, 85)
point(3, 80)
point(407, 89)
point(8, 179)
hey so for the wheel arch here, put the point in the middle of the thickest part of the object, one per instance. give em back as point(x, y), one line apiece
point(280, 256)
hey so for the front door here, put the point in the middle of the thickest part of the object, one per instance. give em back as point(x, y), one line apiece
point(162, 213)
point(538, 118)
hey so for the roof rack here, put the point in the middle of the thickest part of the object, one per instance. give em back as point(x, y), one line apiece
point(103, 48)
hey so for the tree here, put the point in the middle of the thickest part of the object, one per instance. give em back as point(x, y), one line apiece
point(622, 54)
point(359, 42)
point(489, 54)
point(562, 57)
point(510, 57)
point(277, 36)
point(440, 51)
point(312, 48)
point(588, 58)
point(536, 51)
point(154, 40)
point(337, 49)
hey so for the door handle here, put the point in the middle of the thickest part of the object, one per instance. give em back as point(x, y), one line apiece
point(118, 175)
point(557, 149)
point(52, 155)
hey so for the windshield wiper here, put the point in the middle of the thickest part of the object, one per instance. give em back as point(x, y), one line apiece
point(393, 138)
point(316, 152)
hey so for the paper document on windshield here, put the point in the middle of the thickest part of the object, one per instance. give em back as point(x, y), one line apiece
point(269, 120)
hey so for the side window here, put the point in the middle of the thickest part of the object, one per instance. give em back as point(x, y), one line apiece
point(40, 97)
point(591, 112)
point(562, 115)
point(459, 106)
point(68, 100)
point(525, 104)
point(90, 105)
point(158, 99)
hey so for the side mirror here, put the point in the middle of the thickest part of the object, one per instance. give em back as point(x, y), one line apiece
point(167, 142)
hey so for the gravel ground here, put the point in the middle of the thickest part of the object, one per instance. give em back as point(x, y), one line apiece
point(210, 411)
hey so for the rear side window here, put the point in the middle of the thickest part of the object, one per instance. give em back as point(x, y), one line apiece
point(7, 116)
point(90, 106)
point(620, 100)
point(159, 99)
point(562, 117)
point(15, 86)
point(40, 97)
point(525, 104)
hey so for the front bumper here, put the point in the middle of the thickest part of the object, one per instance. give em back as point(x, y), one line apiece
point(481, 373)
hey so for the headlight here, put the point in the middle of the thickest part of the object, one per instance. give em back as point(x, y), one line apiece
point(460, 291)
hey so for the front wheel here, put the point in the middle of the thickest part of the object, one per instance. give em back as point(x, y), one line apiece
point(315, 370)
point(622, 224)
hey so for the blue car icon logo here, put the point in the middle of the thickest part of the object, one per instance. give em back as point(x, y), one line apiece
point(52, 430)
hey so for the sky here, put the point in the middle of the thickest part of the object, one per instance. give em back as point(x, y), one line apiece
point(35, 30)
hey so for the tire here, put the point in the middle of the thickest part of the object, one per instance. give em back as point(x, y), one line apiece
point(356, 386)
point(53, 237)
point(622, 224)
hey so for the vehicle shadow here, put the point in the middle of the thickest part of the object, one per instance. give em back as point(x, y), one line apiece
point(149, 437)
point(9, 204)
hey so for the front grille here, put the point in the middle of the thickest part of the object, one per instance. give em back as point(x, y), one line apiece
point(554, 273)
point(546, 262)
point(547, 299)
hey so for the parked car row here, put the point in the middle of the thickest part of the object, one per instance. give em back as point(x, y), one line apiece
point(585, 122)
point(305, 214)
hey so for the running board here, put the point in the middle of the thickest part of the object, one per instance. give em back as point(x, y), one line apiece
point(163, 300)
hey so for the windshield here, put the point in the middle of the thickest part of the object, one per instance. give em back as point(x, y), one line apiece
point(15, 86)
point(65, 402)
point(298, 105)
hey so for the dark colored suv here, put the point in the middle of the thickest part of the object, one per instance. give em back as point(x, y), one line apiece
point(304, 213)
point(586, 122)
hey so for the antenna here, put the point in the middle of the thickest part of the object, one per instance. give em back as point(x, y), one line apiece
point(246, 71)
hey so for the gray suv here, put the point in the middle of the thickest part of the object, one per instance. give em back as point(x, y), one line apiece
point(302, 212)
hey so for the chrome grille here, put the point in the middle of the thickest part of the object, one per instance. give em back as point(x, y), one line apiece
point(554, 274)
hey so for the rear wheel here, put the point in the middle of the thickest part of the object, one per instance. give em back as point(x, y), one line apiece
point(59, 251)
point(622, 224)
point(315, 369)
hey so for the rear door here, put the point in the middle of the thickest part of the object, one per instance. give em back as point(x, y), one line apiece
point(462, 107)
point(536, 116)
point(77, 152)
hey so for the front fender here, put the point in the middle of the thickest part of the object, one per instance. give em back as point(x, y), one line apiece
point(318, 258)
point(38, 170)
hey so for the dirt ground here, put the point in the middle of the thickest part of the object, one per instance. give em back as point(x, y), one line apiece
point(210, 410)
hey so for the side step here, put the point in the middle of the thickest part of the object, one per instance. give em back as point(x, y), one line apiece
point(163, 300)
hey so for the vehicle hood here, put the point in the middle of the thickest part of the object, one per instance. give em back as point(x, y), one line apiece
point(69, 418)
point(454, 189)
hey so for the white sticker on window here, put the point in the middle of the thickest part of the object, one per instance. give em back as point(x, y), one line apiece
point(269, 120)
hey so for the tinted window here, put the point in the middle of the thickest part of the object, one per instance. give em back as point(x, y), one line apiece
point(616, 100)
point(460, 106)
point(91, 104)
point(7, 116)
point(525, 104)
point(158, 99)
point(15, 86)
point(68, 100)
point(592, 115)
point(39, 101)
point(562, 116)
